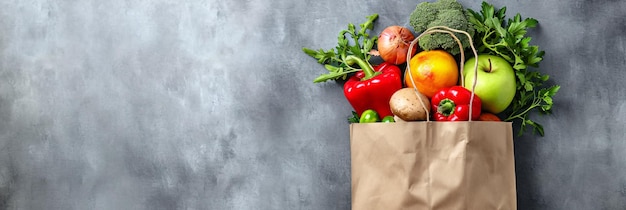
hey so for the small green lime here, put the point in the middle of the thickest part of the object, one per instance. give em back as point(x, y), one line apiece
point(388, 119)
point(369, 116)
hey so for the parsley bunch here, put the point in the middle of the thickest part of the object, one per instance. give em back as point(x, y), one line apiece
point(349, 42)
point(507, 39)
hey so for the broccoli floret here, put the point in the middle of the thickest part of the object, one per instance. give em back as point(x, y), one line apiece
point(448, 13)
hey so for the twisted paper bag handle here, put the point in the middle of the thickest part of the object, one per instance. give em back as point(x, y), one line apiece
point(444, 29)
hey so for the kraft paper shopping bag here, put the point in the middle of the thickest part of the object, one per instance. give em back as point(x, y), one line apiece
point(433, 165)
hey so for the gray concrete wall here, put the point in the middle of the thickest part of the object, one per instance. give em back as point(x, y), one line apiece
point(210, 105)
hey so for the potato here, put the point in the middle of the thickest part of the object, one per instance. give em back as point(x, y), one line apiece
point(405, 104)
point(398, 119)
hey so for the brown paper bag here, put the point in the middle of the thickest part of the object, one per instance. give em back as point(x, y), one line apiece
point(433, 165)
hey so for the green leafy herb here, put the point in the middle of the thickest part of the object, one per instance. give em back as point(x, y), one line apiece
point(350, 42)
point(507, 39)
point(354, 118)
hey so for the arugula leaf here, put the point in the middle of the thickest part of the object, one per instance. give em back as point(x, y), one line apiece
point(334, 59)
point(507, 39)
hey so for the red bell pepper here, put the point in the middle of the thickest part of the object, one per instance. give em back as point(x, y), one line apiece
point(371, 88)
point(453, 104)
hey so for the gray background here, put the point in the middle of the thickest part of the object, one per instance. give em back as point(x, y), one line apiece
point(210, 105)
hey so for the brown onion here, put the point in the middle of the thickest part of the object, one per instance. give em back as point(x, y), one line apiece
point(393, 44)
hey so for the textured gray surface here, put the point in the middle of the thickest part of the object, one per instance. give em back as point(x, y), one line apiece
point(209, 104)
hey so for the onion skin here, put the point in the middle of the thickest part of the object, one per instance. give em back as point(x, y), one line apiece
point(393, 44)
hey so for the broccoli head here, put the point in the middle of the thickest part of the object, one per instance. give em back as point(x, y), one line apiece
point(448, 13)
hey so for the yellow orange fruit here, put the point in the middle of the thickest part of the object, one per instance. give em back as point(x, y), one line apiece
point(431, 71)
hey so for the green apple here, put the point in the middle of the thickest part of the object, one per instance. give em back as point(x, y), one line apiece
point(495, 84)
